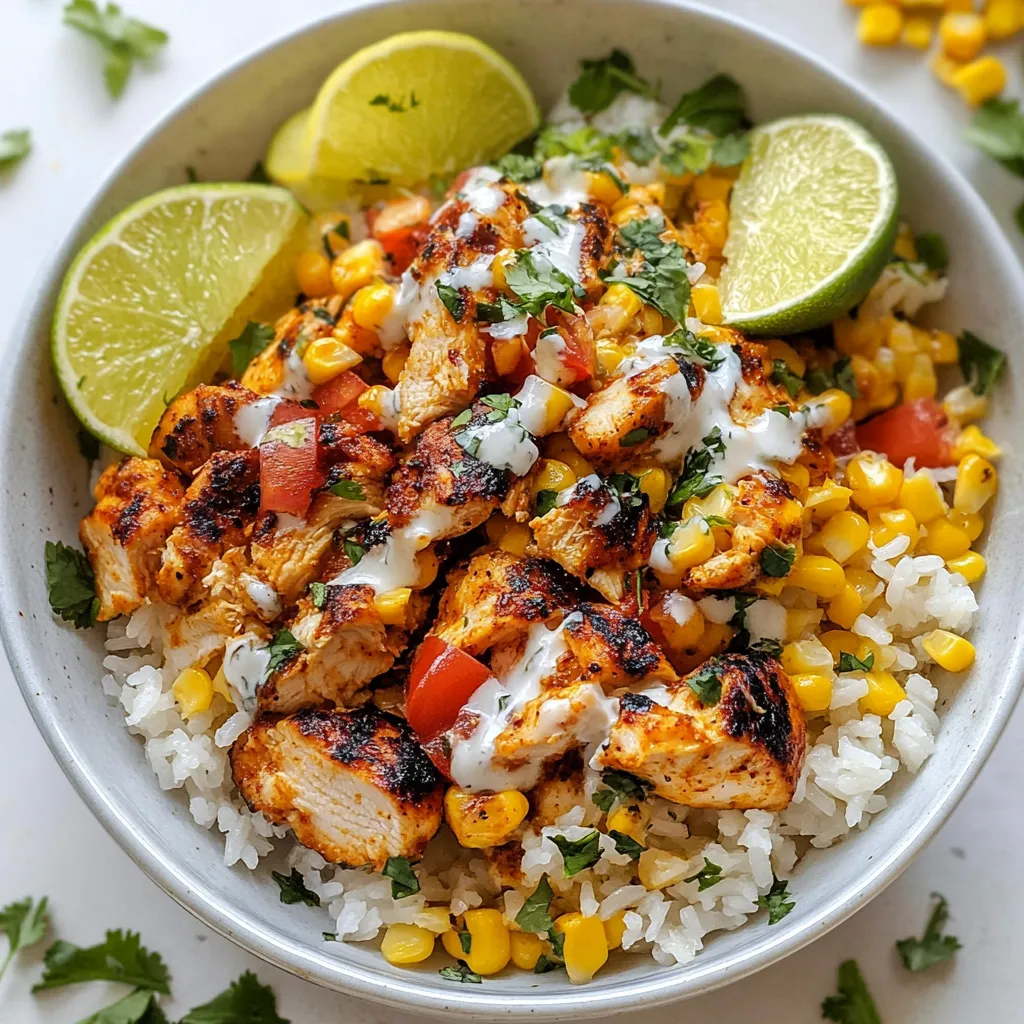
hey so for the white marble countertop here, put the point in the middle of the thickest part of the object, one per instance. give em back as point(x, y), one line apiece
point(49, 842)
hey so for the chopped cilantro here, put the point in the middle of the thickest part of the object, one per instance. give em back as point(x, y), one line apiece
point(500, 406)
point(349, 489)
point(120, 957)
point(354, 551)
point(932, 251)
point(623, 788)
point(544, 502)
point(453, 300)
point(717, 106)
point(557, 940)
point(980, 363)
point(293, 889)
point(840, 376)
point(545, 964)
point(462, 419)
point(998, 131)
point(634, 437)
point(777, 559)
point(853, 1003)
point(655, 270)
point(694, 481)
point(627, 845)
point(518, 168)
point(70, 585)
point(283, 648)
point(24, 922)
point(497, 312)
point(783, 410)
point(248, 345)
point(706, 683)
point(585, 143)
point(466, 941)
point(639, 145)
point(245, 1001)
point(403, 879)
point(578, 854)
point(782, 374)
point(709, 875)
point(850, 663)
point(933, 947)
point(461, 973)
point(698, 350)
point(602, 80)
point(538, 285)
point(776, 901)
point(15, 145)
point(318, 594)
point(534, 915)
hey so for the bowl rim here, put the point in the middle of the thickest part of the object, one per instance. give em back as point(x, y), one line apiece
point(662, 987)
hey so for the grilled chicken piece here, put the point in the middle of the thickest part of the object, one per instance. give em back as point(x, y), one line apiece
point(138, 504)
point(559, 790)
point(345, 645)
point(631, 404)
point(596, 246)
point(744, 751)
point(596, 528)
point(614, 649)
point(220, 507)
point(441, 479)
point(270, 370)
point(504, 864)
point(764, 513)
point(497, 597)
point(199, 423)
point(352, 785)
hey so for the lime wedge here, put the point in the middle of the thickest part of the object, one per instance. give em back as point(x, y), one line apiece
point(415, 105)
point(149, 304)
point(812, 222)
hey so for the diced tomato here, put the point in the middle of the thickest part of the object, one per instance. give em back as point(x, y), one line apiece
point(359, 421)
point(287, 412)
point(441, 679)
point(439, 750)
point(402, 245)
point(919, 429)
point(844, 440)
point(288, 465)
point(580, 354)
point(339, 392)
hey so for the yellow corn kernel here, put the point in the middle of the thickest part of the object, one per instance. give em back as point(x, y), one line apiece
point(945, 539)
point(873, 479)
point(391, 605)
point(958, 5)
point(585, 950)
point(922, 497)
point(221, 685)
point(480, 821)
point(372, 303)
point(609, 355)
point(313, 274)
point(506, 353)
point(490, 946)
point(841, 641)
point(710, 186)
point(526, 948)
point(496, 527)
point(949, 651)
point(963, 405)
point(844, 535)
point(976, 483)
point(864, 335)
point(706, 303)
point(553, 476)
point(348, 332)
point(891, 523)
point(655, 484)
point(970, 565)
point(844, 608)
point(681, 636)
point(944, 68)
point(1003, 18)
point(560, 447)
point(406, 944)
point(828, 499)
point(357, 266)
point(394, 362)
point(884, 693)
point(650, 320)
point(326, 357)
point(601, 186)
point(630, 820)
point(879, 25)
point(904, 248)
point(822, 576)
point(375, 399)
point(554, 405)
point(503, 259)
point(615, 928)
point(193, 690)
point(427, 565)
point(783, 350)
point(813, 692)
point(807, 656)
point(973, 441)
point(800, 622)
point(942, 348)
point(630, 211)
point(838, 406)
point(962, 34)
point(797, 476)
point(917, 32)
point(691, 543)
point(657, 869)
point(435, 919)
point(624, 297)
point(921, 381)
point(515, 539)
point(972, 523)
point(714, 639)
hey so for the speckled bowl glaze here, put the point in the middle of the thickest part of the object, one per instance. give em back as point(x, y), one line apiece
point(221, 130)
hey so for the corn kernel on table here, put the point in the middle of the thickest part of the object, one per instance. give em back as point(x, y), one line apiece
point(50, 81)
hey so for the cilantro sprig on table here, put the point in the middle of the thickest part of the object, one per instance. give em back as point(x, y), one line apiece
point(852, 1003)
point(933, 947)
point(15, 145)
point(24, 922)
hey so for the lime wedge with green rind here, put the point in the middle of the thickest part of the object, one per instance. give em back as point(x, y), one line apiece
point(813, 218)
point(151, 301)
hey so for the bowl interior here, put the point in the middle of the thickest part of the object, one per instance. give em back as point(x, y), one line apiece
point(222, 131)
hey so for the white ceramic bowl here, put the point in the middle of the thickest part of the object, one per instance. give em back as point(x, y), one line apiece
point(222, 130)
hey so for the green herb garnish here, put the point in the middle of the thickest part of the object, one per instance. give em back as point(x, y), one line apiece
point(245, 1001)
point(578, 854)
point(717, 106)
point(933, 947)
point(782, 374)
point(349, 489)
point(706, 683)
point(776, 901)
point(544, 502)
point(518, 168)
point(777, 559)
point(850, 663)
point(283, 648)
point(932, 251)
point(293, 889)
point(980, 363)
point(538, 285)
point(853, 1003)
point(15, 145)
point(602, 80)
point(71, 584)
point(403, 879)
point(248, 345)
point(655, 270)
point(461, 973)
point(120, 957)
point(627, 845)
point(24, 922)
point(534, 915)
point(452, 299)
point(709, 875)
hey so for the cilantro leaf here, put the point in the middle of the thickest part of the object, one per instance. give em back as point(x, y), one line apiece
point(634, 437)
point(933, 947)
point(586, 143)
point(15, 145)
point(602, 80)
point(466, 941)
point(123, 39)
point(354, 551)
point(538, 285)
point(497, 312)
point(462, 419)
point(461, 973)
point(840, 376)
point(627, 844)
point(70, 585)
point(120, 957)
point(24, 922)
point(782, 374)
point(706, 683)
point(453, 300)
point(658, 269)
point(709, 875)
point(718, 105)
point(776, 901)
point(349, 489)
point(245, 1001)
point(293, 889)
point(534, 915)
point(517, 167)
point(853, 1003)
point(500, 406)
point(639, 145)
point(138, 1007)
point(544, 502)
point(318, 594)
point(545, 964)
point(248, 345)
point(777, 559)
point(998, 131)
point(932, 251)
point(283, 648)
point(980, 363)
point(623, 788)
point(697, 350)
point(578, 854)
point(403, 879)
point(694, 480)
point(850, 663)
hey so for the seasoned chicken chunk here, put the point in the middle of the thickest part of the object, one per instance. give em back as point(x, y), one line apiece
point(497, 597)
point(597, 528)
point(344, 646)
point(219, 509)
point(352, 785)
point(199, 423)
point(742, 751)
point(138, 504)
point(559, 790)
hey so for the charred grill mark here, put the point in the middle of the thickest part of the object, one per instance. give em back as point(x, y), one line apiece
point(265, 526)
point(230, 497)
point(346, 604)
point(752, 362)
point(633, 705)
point(695, 376)
point(376, 532)
point(631, 525)
point(754, 704)
point(533, 589)
point(129, 520)
point(627, 642)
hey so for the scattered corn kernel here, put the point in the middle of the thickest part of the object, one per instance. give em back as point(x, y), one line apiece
point(490, 946)
point(879, 25)
point(801, 621)
point(841, 641)
point(890, 523)
point(921, 381)
point(783, 350)
point(1003, 18)
point(391, 605)
point(559, 447)
point(394, 362)
point(706, 303)
point(657, 869)
point(630, 820)
point(710, 186)
point(797, 476)
point(313, 274)
point(193, 690)
point(481, 821)
point(357, 266)
point(807, 656)
point(949, 651)
point(844, 535)
point(970, 565)
point(553, 476)
point(526, 948)
point(981, 79)
point(614, 929)
point(917, 32)
point(973, 441)
point(922, 497)
point(822, 576)
point(828, 499)
point(624, 297)
point(962, 34)
point(609, 355)
point(515, 539)
point(375, 399)
point(691, 543)
point(944, 68)
point(372, 303)
point(506, 353)
point(963, 405)
point(406, 944)
point(945, 539)
point(884, 693)
point(873, 479)
point(427, 565)
point(327, 357)
point(585, 949)
point(838, 406)
point(601, 186)
point(655, 484)
point(813, 692)
point(976, 483)
point(972, 523)
point(844, 608)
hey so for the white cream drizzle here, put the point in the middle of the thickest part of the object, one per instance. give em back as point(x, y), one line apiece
point(252, 420)
point(246, 666)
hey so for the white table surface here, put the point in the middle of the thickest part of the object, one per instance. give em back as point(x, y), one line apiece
point(49, 842)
